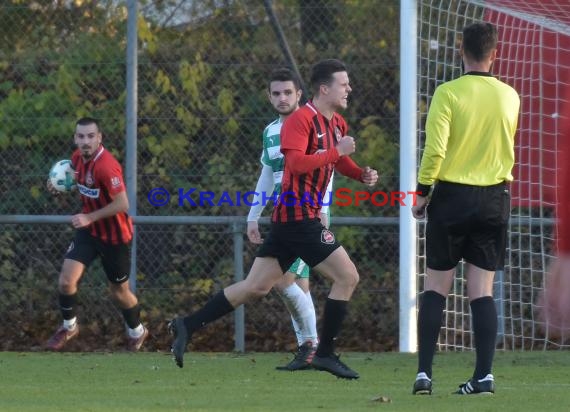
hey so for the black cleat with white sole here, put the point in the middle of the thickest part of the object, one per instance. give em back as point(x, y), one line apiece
point(485, 386)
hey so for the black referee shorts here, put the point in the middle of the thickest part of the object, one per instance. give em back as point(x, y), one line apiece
point(468, 222)
point(307, 239)
point(116, 259)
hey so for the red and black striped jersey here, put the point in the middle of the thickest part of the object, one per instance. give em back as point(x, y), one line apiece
point(98, 181)
point(308, 132)
point(563, 192)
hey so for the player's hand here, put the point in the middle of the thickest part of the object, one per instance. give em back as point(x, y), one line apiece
point(325, 220)
point(369, 176)
point(553, 302)
point(51, 189)
point(253, 233)
point(346, 145)
point(80, 220)
point(419, 209)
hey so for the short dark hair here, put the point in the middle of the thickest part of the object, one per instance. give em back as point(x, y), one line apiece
point(85, 121)
point(284, 74)
point(479, 39)
point(322, 73)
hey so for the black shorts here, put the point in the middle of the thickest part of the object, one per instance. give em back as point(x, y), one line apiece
point(116, 259)
point(308, 240)
point(468, 222)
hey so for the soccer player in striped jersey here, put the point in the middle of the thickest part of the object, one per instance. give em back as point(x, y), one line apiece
point(469, 155)
point(314, 141)
point(554, 300)
point(104, 229)
point(284, 92)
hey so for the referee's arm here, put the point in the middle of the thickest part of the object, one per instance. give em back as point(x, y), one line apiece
point(438, 125)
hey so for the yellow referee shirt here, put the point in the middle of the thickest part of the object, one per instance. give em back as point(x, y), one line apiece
point(470, 132)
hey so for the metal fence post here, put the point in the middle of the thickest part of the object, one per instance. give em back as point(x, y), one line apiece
point(239, 314)
point(408, 150)
point(131, 132)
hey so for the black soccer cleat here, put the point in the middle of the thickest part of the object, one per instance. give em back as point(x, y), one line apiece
point(485, 386)
point(332, 364)
point(302, 359)
point(177, 329)
point(422, 385)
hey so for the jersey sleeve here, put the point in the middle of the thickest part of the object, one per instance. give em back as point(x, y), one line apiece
point(264, 158)
point(328, 196)
point(264, 186)
point(110, 177)
point(563, 194)
point(295, 132)
point(438, 126)
point(347, 167)
point(264, 153)
point(301, 163)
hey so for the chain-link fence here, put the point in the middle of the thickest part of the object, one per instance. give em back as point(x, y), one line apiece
point(202, 105)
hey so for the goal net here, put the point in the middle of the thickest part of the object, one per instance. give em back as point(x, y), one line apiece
point(534, 58)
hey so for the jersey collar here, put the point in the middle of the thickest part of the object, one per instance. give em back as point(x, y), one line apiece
point(474, 73)
point(97, 155)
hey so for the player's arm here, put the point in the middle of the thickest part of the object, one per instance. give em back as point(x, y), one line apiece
point(438, 124)
point(554, 302)
point(111, 179)
point(119, 204)
point(347, 167)
point(265, 184)
point(327, 201)
point(299, 162)
point(295, 140)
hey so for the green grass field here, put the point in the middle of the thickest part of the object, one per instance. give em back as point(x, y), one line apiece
point(538, 381)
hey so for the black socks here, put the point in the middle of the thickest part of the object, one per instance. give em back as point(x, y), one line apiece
point(214, 309)
point(67, 305)
point(485, 324)
point(335, 312)
point(132, 316)
point(429, 324)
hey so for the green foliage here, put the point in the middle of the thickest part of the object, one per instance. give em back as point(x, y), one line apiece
point(202, 106)
point(201, 85)
point(54, 70)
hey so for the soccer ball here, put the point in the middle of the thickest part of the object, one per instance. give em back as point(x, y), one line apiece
point(62, 176)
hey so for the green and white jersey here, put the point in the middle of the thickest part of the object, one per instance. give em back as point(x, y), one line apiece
point(273, 163)
point(271, 155)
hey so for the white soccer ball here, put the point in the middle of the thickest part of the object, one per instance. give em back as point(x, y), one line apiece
point(62, 176)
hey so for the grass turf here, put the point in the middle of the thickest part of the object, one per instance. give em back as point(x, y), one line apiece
point(526, 381)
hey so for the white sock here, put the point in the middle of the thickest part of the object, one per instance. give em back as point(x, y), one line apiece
point(136, 332)
point(298, 333)
point(70, 324)
point(294, 298)
point(422, 375)
point(311, 332)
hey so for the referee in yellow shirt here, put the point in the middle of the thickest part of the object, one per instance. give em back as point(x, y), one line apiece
point(468, 156)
